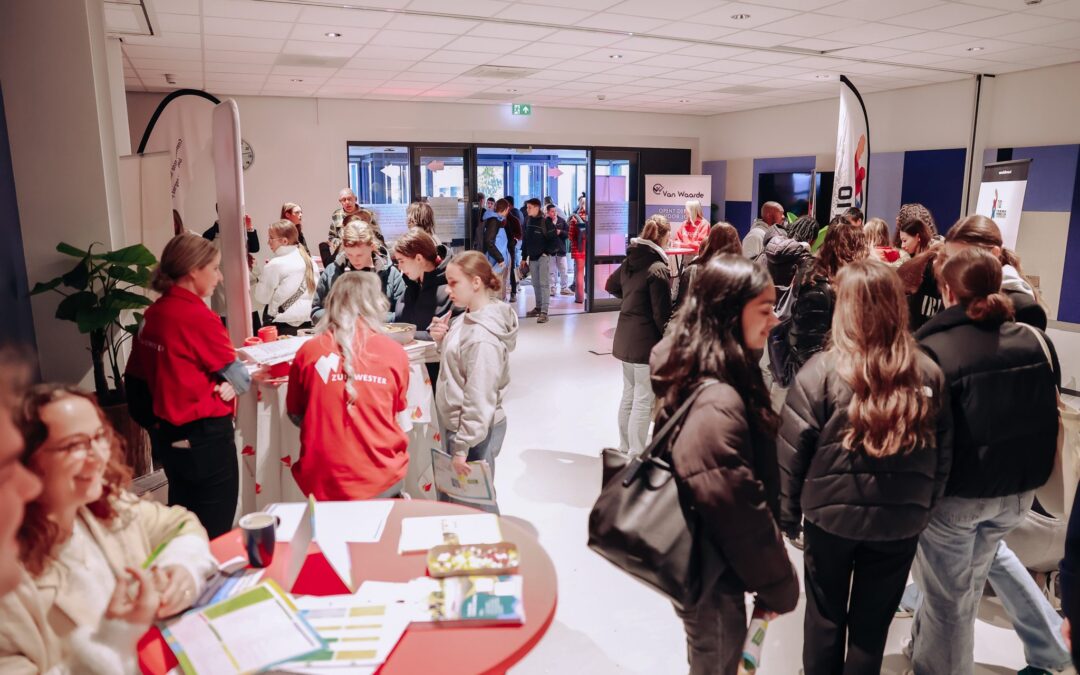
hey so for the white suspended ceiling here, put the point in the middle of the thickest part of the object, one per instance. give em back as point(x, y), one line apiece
point(676, 56)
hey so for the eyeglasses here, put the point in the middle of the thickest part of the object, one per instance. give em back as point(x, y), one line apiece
point(79, 447)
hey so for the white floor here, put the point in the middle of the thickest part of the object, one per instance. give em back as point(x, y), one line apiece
point(561, 411)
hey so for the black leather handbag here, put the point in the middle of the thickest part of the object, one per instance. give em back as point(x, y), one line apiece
point(641, 525)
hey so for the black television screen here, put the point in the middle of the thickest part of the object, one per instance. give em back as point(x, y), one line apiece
point(792, 190)
point(823, 196)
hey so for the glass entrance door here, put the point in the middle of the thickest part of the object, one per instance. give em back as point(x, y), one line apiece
point(443, 175)
point(614, 219)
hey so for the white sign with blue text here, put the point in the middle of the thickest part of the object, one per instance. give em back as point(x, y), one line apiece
point(667, 195)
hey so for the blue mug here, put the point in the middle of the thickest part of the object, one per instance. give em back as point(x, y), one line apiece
point(259, 531)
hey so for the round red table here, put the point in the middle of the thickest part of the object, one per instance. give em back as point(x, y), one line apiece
point(678, 254)
point(425, 647)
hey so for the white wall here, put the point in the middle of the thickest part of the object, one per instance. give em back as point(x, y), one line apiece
point(300, 143)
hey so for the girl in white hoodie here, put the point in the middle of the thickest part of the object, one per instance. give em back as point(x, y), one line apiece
point(286, 284)
point(475, 369)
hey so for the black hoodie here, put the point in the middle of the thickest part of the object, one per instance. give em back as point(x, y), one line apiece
point(643, 282)
point(418, 302)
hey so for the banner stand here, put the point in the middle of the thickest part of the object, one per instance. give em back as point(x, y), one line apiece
point(1001, 196)
point(852, 178)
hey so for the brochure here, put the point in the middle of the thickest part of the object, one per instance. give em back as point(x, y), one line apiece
point(420, 534)
point(476, 488)
point(476, 601)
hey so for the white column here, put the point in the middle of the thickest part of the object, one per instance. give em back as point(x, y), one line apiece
point(118, 96)
point(980, 129)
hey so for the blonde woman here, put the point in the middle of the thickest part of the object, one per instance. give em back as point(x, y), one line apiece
point(694, 230)
point(294, 214)
point(286, 285)
point(346, 387)
point(865, 450)
point(877, 239)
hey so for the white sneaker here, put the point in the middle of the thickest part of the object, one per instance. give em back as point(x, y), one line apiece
point(907, 647)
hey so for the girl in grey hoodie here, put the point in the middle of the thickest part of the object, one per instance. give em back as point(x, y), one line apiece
point(474, 371)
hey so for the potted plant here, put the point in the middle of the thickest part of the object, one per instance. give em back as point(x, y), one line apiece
point(98, 292)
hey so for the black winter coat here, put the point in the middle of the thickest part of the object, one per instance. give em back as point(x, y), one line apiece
point(540, 239)
point(1004, 403)
point(387, 278)
point(811, 317)
point(418, 302)
point(784, 257)
point(643, 283)
point(849, 493)
point(490, 229)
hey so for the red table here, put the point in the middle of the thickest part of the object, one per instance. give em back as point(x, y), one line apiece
point(425, 648)
point(678, 255)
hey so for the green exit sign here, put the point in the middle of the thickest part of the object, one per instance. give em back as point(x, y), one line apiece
point(522, 108)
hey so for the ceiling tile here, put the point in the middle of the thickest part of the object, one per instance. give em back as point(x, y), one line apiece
point(182, 40)
point(756, 38)
point(171, 53)
point(712, 51)
point(660, 10)
point(921, 41)
point(875, 10)
point(577, 37)
point(542, 14)
point(427, 66)
point(917, 58)
point(333, 16)
point(234, 78)
point(465, 7)
point(522, 33)
point(759, 16)
point(981, 48)
point(813, 25)
point(872, 52)
point(178, 23)
point(1035, 54)
point(431, 24)
point(604, 56)
point(553, 50)
point(765, 57)
point(522, 61)
point(214, 67)
point(1003, 26)
point(410, 39)
point(727, 66)
point(450, 56)
point(692, 31)
point(317, 33)
point(634, 24)
point(239, 57)
point(250, 9)
point(303, 71)
point(177, 6)
point(319, 48)
point(819, 45)
point(867, 68)
point(1059, 10)
point(591, 5)
point(416, 76)
point(246, 27)
point(870, 33)
point(1061, 31)
point(775, 71)
point(943, 16)
point(373, 51)
point(675, 61)
point(645, 44)
point(581, 66)
point(483, 45)
point(242, 44)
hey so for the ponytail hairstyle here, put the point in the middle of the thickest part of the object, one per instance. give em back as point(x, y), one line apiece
point(355, 298)
point(982, 232)
point(657, 228)
point(475, 264)
point(844, 243)
point(183, 254)
point(877, 233)
point(974, 277)
point(287, 231)
point(417, 242)
point(420, 215)
point(877, 357)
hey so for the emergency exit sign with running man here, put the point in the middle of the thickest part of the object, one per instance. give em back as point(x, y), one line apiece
point(521, 108)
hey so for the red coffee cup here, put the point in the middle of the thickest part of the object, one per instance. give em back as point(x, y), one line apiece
point(268, 333)
point(252, 341)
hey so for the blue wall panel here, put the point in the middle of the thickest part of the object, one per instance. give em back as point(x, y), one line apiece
point(886, 183)
point(18, 324)
point(1069, 301)
point(935, 179)
point(738, 214)
point(1051, 177)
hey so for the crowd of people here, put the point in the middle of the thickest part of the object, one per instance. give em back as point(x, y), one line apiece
point(889, 405)
point(854, 393)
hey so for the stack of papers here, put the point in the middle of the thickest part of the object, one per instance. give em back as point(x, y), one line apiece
point(420, 534)
point(422, 351)
point(272, 353)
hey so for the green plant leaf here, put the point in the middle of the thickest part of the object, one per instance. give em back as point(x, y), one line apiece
point(69, 307)
point(96, 318)
point(68, 249)
point(120, 299)
point(41, 287)
point(79, 276)
point(136, 254)
point(139, 276)
point(791, 217)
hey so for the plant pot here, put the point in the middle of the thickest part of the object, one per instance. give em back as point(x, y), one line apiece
point(136, 440)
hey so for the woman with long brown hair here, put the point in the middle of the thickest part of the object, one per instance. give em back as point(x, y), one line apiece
point(286, 285)
point(724, 457)
point(723, 238)
point(864, 453)
point(916, 236)
point(292, 212)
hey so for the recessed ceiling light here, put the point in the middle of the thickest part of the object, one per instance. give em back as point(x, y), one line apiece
point(740, 16)
point(823, 77)
point(684, 100)
point(614, 56)
point(295, 79)
point(976, 49)
point(511, 91)
point(332, 34)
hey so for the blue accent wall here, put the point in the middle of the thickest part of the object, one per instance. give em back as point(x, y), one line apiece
point(935, 179)
point(1051, 177)
point(778, 165)
point(886, 184)
point(18, 324)
point(1069, 301)
point(738, 214)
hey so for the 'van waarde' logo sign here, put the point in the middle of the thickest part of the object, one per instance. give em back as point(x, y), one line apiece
point(659, 189)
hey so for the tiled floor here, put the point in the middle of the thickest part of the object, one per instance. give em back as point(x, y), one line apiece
point(561, 411)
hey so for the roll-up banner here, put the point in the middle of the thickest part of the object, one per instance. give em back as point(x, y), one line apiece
point(852, 177)
point(1001, 196)
point(667, 195)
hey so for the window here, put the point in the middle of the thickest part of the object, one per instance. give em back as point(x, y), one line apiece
point(379, 175)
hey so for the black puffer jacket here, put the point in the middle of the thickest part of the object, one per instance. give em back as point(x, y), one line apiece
point(811, 316)
point(643, 283)
point(784, 257)
point(388, 277)
point(418, 302)
point(850, 493)
point(920, 284)
point(1004, 403)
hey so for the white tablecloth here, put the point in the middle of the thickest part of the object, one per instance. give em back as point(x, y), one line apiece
point(271, 443)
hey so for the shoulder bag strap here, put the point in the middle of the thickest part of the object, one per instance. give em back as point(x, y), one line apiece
point(1042, 343)
point(289, 301)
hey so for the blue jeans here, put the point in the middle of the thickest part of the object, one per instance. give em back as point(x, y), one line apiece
point(955, 554)
point(1032, 616)
point(486, 450)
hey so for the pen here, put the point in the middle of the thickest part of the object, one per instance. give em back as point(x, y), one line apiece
point(161, 547)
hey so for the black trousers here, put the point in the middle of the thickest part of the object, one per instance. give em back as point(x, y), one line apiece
point(203, 478)
point(512, 249)
point(852, 591)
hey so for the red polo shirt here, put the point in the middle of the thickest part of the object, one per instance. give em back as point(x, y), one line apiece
point(179, 350)
point(349, 452)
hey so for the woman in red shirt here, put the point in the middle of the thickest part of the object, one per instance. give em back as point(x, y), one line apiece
point(182, 377)
point(346, 386)
point(694, 230)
